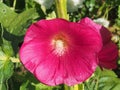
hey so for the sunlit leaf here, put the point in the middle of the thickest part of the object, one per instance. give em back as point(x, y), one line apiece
point(6, 71)
point(40, 86)
point(7, 16)
point(16, 23)
point(106, 72)
point(2, 55)
point(103, 80)
point(109, 83)
point(7, 48)
point(2, 86)
point(23, 20)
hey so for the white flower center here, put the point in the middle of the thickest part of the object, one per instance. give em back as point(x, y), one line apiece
point(60, 44)
point(59, 47)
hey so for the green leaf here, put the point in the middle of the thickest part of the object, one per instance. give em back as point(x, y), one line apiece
point(6, 71)
point(103, 80)
point(119, 11)
point(106, 72)
point(108, 80)
point(91, 84)
point(7, 48)
point(2, 55)
point(41, 86)
point(16, 23)
point(29, 4)
point(23, 20)
point(90, 4)
point(109, 83)
point(24, 86)
point(7, 15)
point(2, 86)
point(14, 27)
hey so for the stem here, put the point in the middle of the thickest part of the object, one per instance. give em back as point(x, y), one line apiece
point(61, 9)
point(96, 86)
point(76, 87)
point(14, 60)
point(14, 4)
point(79, 87)
point(71, 88)
point(66, 87)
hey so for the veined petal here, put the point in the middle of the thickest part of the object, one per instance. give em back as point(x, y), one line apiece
point(79, 67)
point(31, 54)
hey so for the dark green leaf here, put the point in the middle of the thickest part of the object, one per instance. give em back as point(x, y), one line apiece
point(1, 35)
point(24, 86)
point(119, 11)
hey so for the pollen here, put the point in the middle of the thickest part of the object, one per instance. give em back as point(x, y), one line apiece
point(59, 45)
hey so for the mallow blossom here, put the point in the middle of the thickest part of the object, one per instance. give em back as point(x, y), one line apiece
point(108, 55)
point(58, 51)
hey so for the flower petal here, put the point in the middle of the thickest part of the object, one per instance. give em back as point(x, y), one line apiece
point(50, 71)
point(86, 36)
point(108, 56)
point(105, 34)
point(31, 54)
point(79, 66)
point(89, 22)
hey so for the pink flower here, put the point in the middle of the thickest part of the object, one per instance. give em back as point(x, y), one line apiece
point(58, 51)
point(109, 53)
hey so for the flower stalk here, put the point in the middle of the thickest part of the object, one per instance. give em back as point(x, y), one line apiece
point(76, 87)
point(14, 4)
point(61, 9)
